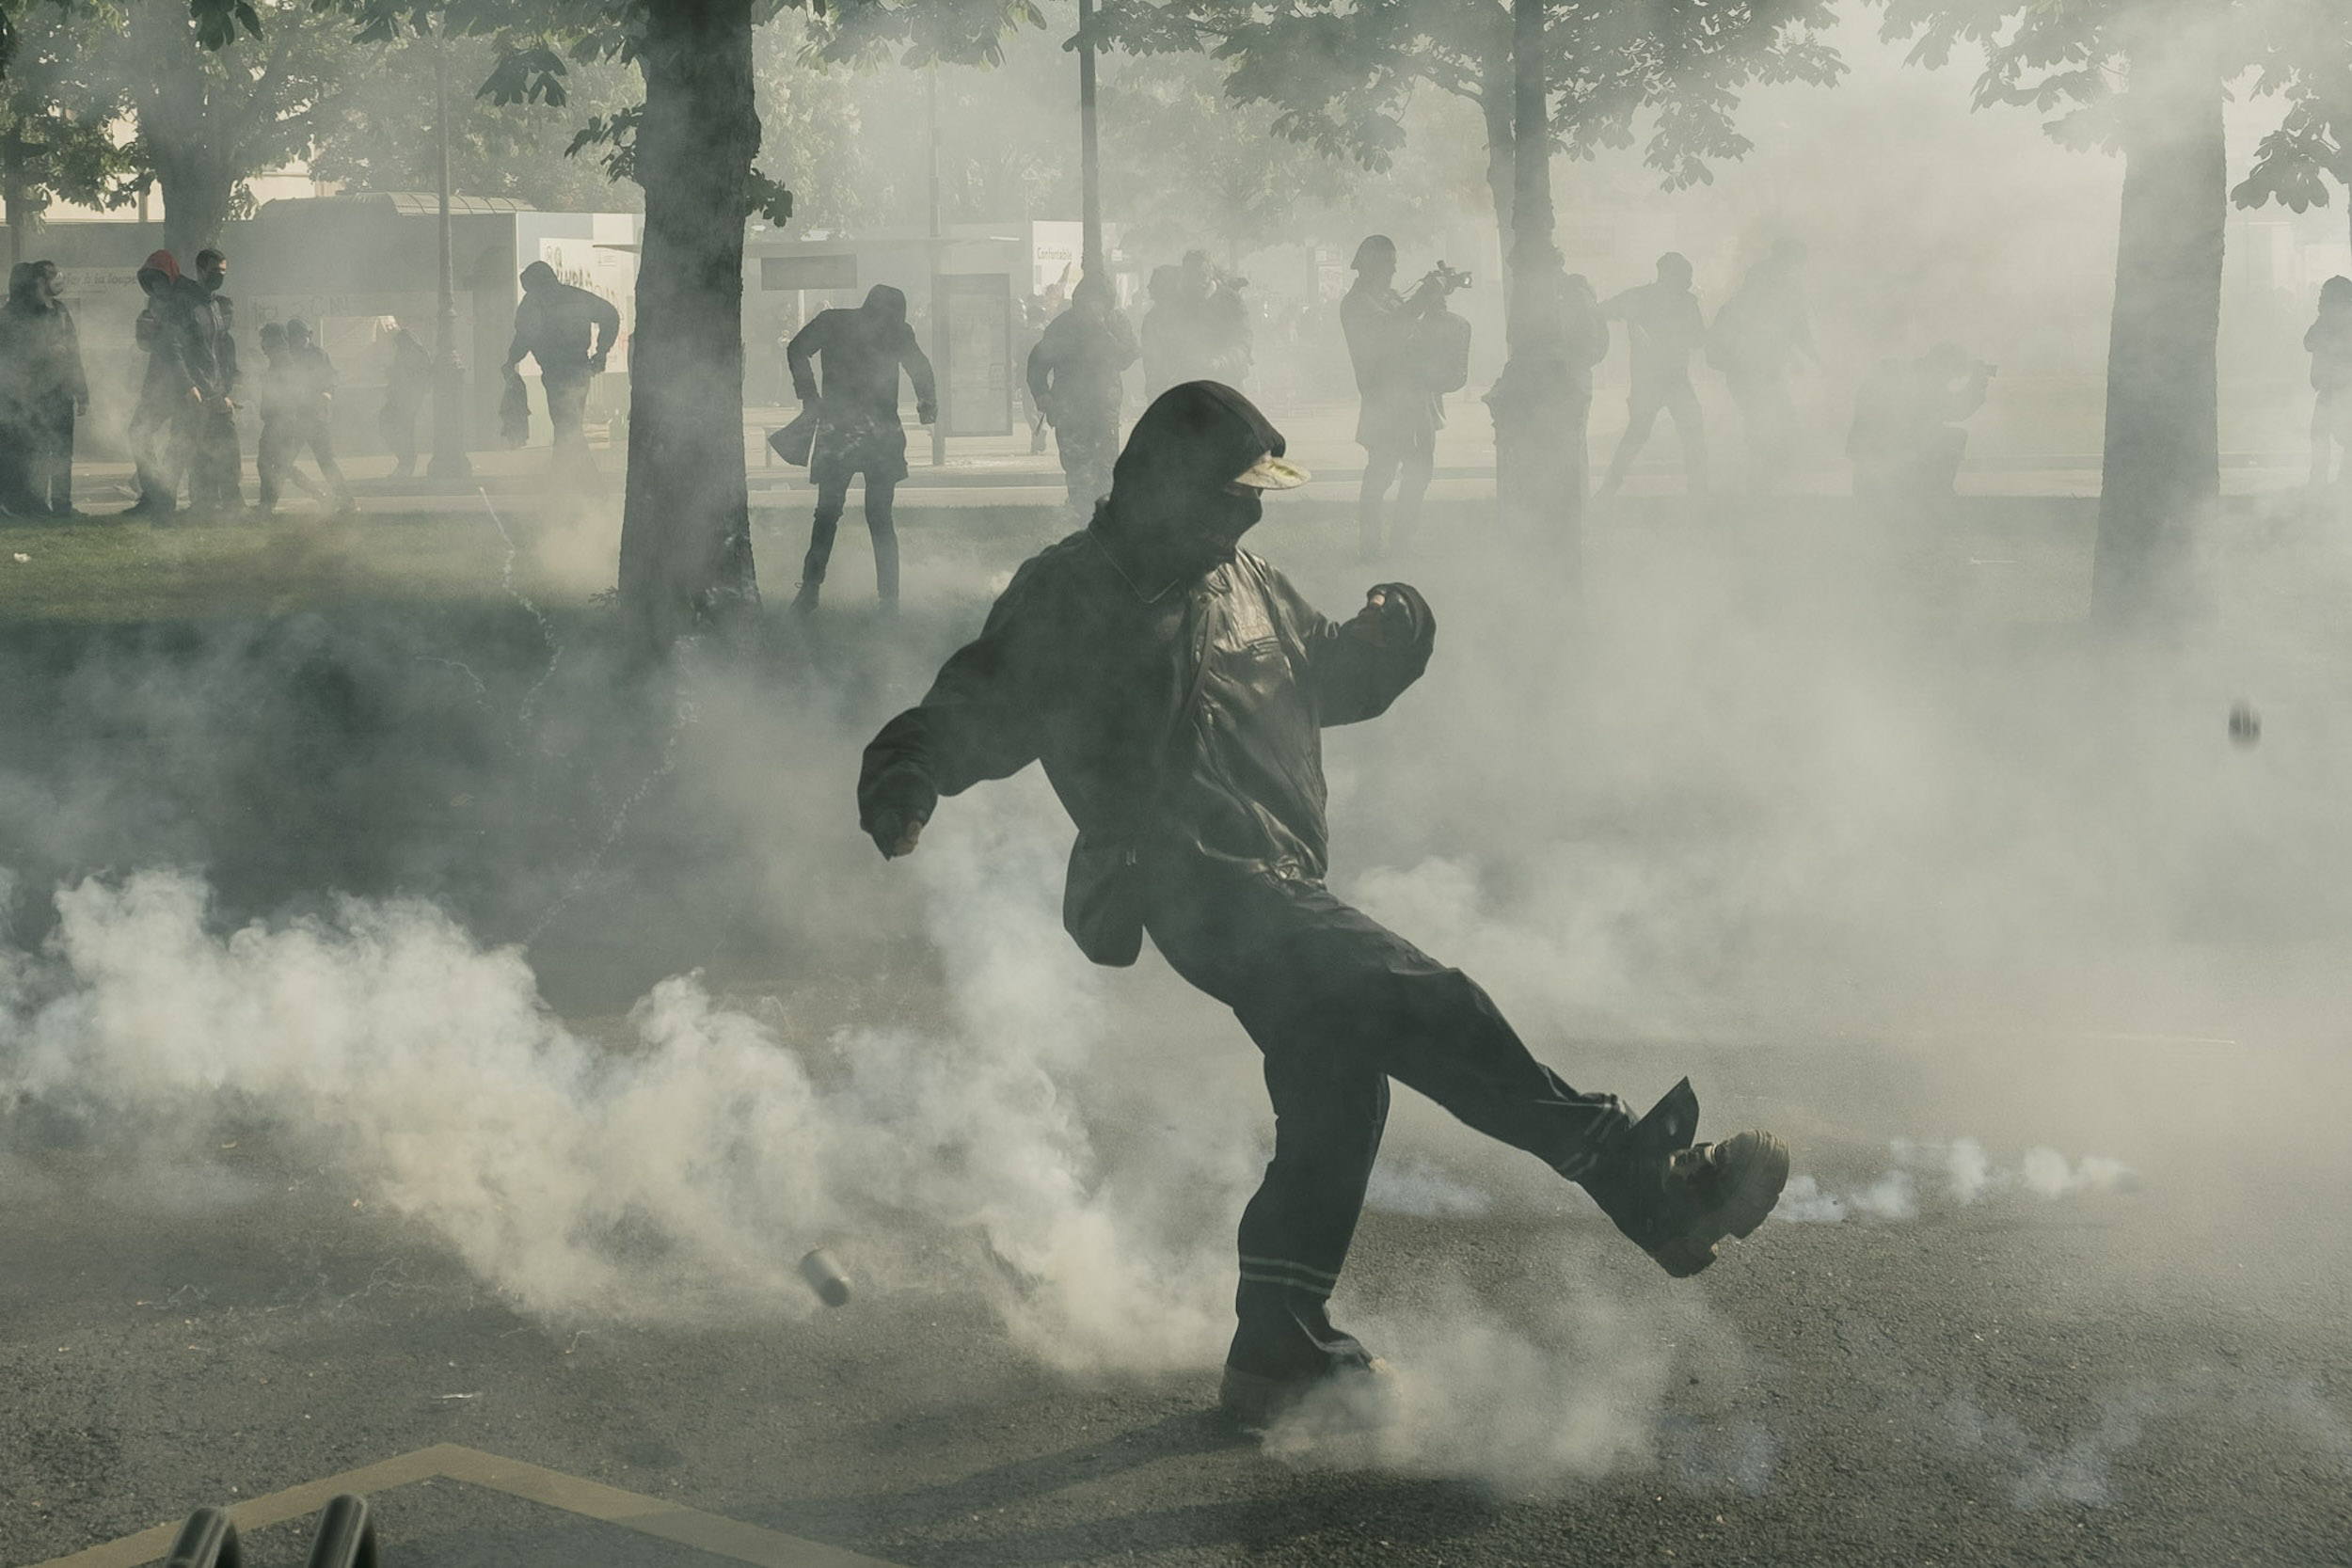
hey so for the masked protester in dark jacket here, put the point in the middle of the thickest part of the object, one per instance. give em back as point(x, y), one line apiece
point(41, 389)
point(861, 353)
point(1175, 688)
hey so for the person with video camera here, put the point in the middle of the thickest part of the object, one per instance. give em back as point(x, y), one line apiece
point(1407, 353)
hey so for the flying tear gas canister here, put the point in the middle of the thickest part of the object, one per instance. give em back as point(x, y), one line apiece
point(825, 1277)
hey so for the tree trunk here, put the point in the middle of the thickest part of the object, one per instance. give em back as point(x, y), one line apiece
point(1496, 103)
point(196, 206)
point(686, 542)
point(185, 129)
point(1539, 475)
point(2161, 476)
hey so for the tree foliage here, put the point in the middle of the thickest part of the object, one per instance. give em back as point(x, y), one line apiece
point(1340, 72)
point(2306, 58)
point(56, 141)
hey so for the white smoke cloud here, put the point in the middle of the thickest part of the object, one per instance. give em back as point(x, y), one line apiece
point(1969, 1175)
point(683, 1173)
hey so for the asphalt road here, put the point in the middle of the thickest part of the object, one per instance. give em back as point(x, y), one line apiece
point(2156, 1373)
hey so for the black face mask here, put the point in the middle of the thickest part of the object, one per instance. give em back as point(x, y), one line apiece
point(1213, 529)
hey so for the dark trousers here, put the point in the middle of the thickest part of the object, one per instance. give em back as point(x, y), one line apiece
point(165, 440)
point(1680, 401)
point(567, 411)
point(282, 440)
point(1338, 1005)
point(1407, 464)
point(1770, 424)
point(396, 421)
point(831, 500)
point(36, 460)
point(1087, 443)
point(216, 466)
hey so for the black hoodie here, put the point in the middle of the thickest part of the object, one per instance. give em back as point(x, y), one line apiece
point(1178, 718)
point(863, 352)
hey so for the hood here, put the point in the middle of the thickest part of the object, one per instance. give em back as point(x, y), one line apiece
point(886, 302)
point(1194, 440)
point(160, 262)
point(21, 277)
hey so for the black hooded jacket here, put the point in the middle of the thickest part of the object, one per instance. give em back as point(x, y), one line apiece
point(1179, 718)
point(863, 351)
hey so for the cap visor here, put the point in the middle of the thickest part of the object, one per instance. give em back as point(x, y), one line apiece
point(1272, 473)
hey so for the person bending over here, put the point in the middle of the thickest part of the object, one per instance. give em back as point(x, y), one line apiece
point(858, 430)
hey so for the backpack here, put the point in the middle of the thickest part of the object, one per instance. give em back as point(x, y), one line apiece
point(1441, 345)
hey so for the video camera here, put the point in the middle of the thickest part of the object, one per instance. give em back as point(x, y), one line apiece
point(1448, 279)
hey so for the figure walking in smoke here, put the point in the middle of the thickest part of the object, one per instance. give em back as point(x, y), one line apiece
point(298, 411)
point(407, 379)
point(41, 391)
point(2330, 342)
point(183, 384)
point(1757, 336)
point(217, 468)
point(1402, 410)
point(858, 430)
point(1074, 376)
point(1175, 686)
point(569, 331)
point(1542, 403)
point(1663, 329)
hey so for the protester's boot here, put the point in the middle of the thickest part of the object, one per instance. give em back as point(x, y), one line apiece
point(805, 602)
point(1678, 1200)
point(1285, 1353)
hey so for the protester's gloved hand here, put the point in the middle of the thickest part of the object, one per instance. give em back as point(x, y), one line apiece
point(1391, 617)
point(595, 364)
point(893, 807)
point(926, 413)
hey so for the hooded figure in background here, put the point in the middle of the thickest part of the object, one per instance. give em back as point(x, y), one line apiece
point(569, 331)
point(1760, 334)
point(2329, 344)
point(1176, 687)
point(41, 389)
point(182, 386)
point(1074, 375)
point(1663, 329)
point(858, 431)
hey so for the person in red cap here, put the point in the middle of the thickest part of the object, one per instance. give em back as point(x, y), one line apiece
point(1176, 687)
point(184, 386)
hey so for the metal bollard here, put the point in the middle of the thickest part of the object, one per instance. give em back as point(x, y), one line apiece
point(346, 1535)
point(208, 1540)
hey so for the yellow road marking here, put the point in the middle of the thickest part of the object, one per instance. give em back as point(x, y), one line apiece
point(667, 1521)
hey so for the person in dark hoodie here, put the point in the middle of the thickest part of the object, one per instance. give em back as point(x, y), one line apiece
point(1175, 688)
point(41, 391)
point(182, 386)
point(858, 431)
point(569, 331)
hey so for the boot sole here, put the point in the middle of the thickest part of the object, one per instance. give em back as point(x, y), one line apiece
point(1255, 1402)
point(1757, 1168)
